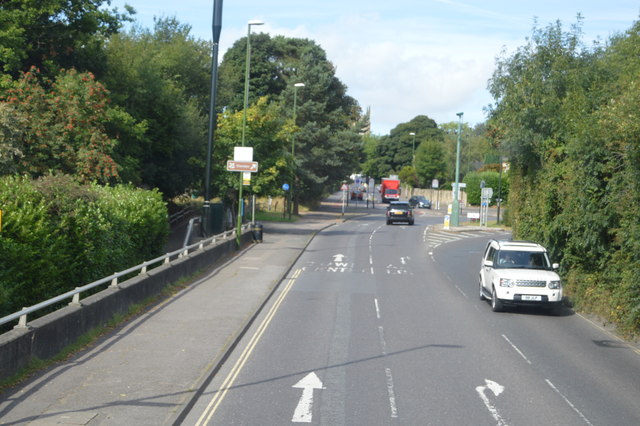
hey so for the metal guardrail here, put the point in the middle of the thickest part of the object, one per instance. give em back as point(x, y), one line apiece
point(181, 213)
point(21, 316)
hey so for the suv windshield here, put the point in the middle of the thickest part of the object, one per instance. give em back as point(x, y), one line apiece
point(521, 259)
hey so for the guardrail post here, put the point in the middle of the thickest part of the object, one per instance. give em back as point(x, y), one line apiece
point(114, 282)
point(22, 322)
point(76, 299)
point(166, 259)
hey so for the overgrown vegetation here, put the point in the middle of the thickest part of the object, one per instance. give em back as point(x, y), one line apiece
point(58, 234)
point(494, 180)
point(566, 114)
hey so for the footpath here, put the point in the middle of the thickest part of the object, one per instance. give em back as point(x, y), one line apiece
point(148, 370)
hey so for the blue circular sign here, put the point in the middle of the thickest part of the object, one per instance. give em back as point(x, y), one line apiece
point(285, 186)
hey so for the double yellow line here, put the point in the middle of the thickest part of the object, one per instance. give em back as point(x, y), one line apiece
point(233, 374)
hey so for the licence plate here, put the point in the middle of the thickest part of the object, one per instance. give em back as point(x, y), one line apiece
point(531, 298)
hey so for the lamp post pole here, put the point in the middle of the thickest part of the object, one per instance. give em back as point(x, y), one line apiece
point(216, 27)
point(293, 149)
point(455, 218)
point(244, 122)
point(413, 152)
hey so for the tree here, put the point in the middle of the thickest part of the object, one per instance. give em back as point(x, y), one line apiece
point(408, 176)
point(55, 34)
point(11, 124)
point(328, 147)
point(371, 163)
point(270, 140)
point(66, 126)
point(162, 79)
point(430, 162)
point(396, 150)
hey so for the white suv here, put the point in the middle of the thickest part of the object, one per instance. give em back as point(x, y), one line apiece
point(518, 273)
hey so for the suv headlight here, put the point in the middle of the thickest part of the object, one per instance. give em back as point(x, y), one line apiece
point(555, 284)
point(506, 282)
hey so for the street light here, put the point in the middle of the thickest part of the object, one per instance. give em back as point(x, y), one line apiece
point(293, 147)
point(244, 120)
point(216, 27)
point(413, 153)
point(455, 219)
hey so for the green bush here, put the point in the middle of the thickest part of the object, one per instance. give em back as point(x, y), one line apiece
point(491, 180)
point(58, 234)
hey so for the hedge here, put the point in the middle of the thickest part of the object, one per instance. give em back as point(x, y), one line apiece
point(58, 234)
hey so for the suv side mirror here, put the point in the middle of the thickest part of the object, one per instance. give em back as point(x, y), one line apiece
point(488, 263)
point(555, 266)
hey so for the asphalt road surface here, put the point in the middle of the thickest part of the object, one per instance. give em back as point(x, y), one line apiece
point(379, 324)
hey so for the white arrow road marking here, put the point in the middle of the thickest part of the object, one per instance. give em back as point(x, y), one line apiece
point(303, 411)
point(338, 257)
point(497, 390)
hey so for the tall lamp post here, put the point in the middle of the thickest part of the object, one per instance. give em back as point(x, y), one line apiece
point(244, 120)
point(413, 152)
point(216, 27)
point(455, 217)
point(293, 149)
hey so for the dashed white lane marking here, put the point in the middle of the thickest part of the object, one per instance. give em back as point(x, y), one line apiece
point(516, 349)
point(582, 416)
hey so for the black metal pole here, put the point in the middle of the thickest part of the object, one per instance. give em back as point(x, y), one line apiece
point(216, 27)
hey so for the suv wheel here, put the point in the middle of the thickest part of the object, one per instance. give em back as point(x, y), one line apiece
point(496, 304)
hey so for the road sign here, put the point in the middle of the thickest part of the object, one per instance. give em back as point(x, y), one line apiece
point(243, 153)
point(242, 166)
point(246, 178)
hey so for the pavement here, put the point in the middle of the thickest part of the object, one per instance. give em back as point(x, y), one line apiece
point(148, 370)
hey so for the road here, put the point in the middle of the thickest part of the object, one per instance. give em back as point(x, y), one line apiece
point(380, 324)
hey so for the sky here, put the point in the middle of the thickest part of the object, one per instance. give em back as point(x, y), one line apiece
point(402, 58)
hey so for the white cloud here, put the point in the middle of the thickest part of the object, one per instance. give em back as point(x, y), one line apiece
point(406, 57)
point(412, 68)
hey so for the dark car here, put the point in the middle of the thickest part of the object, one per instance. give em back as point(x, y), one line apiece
point(420, 201)
point(399, 211)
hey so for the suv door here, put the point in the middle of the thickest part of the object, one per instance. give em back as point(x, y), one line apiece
point(486, 271)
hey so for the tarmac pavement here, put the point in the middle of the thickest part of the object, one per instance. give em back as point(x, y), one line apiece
point(148, 370)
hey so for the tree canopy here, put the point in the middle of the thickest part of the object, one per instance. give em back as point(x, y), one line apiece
point(54, 34)
point(564, 115)
point(328, 147)
point(162, 79)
